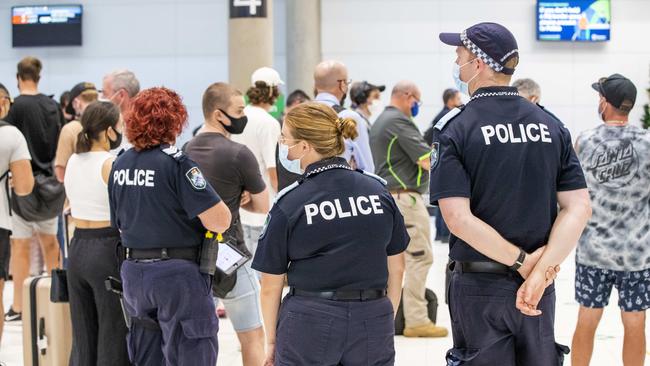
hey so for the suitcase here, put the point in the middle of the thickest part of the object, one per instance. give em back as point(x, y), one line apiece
point(47, 329)
point(432, 311)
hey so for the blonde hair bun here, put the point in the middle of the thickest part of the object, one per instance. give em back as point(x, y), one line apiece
point(347, 127)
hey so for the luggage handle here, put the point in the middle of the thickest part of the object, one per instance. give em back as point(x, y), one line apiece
point(42, 338)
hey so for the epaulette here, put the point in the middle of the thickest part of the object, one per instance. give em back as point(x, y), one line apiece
point(448, 117)
point(173, 151)
point(380, 179)
point(286, 190)
point(549, 113)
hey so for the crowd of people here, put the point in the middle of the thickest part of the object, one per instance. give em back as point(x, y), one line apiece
point(333, 201)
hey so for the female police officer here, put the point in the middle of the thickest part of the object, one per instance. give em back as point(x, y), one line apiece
point(339, 235)
point(162, 205)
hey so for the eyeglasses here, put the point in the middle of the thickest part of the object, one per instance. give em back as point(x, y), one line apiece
point(417, 100)
point(347, 82)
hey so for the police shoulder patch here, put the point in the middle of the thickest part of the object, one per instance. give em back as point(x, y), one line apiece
point(448, 117)
point(435, 154)
point(196, 178)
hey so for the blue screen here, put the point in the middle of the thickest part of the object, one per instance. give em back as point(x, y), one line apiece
point(573, 20)
point(46, 25)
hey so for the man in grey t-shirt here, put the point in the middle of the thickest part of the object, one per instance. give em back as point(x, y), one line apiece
point(614, 249)
point(15, 160)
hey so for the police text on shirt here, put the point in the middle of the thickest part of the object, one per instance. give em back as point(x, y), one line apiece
point(138, 177)
point(355, 206)
point(506, 133)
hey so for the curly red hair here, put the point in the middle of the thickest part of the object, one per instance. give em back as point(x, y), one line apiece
point(157, 116)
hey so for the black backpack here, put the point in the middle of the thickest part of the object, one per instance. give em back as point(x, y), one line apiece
point(432, 310)
point(43, 203)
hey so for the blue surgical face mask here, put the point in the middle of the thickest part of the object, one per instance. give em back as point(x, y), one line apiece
point(462, 86)
point(290, 165)
point(415, 109)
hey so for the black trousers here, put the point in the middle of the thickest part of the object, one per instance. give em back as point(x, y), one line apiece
point(488, 330)
point(98, 327)
point(322, 332)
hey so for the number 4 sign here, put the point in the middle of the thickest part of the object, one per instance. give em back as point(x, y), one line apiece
point(248, 8)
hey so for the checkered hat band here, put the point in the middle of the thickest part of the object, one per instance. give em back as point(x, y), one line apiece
point(479, 53)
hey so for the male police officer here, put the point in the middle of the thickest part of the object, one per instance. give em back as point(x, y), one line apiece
point(499, 168)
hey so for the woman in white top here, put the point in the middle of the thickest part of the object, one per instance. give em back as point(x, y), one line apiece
point(98, 328)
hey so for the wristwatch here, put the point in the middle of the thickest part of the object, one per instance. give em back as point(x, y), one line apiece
point(519, 262)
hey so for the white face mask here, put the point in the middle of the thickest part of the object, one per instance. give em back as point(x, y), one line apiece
point(376, 107)
point(291, 165)
point(462, 86)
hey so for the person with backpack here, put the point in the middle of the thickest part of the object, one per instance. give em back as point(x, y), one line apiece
point(14, 160)
point(39, 118)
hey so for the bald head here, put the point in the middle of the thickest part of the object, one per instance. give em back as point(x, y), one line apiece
point(404, 94)
point(405, 87)
point(329, 75)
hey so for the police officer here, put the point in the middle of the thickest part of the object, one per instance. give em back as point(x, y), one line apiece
point(339, 236)
point(162, 206)
point(500, 168)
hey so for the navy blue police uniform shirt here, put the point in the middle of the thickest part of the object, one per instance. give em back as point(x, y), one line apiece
point(156, 196)
point(510, 157)
point(332, 230)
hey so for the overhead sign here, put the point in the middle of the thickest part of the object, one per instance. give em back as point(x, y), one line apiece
point(248, 8)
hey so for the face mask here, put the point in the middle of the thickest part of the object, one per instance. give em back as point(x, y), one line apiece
point(290, 165)
point(415, 109)
point(376, 107)
point(237, 125)
point(462, 86)
point(114, 144)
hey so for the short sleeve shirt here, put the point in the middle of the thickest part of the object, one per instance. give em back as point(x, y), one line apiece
point(510, 158)
point(261, 137)
point(397, 147)
point(155, 197)
point(67, 143)
point(39, 118)
point(229, 167)
point(13, 147)
point(326, 238)
point(615, 163)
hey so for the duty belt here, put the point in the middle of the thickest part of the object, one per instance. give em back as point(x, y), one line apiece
point(480, 267)
point(190, 254)
point(344, 295)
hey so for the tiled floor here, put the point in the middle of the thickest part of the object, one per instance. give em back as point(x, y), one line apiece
point(412, 352)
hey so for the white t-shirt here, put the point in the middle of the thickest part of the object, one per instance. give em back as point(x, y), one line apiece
point(13, 147)
point(261, 137)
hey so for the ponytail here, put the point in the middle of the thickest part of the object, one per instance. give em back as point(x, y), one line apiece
point(83, 143)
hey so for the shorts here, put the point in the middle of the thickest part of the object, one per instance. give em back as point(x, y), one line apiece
point(25, 229)
point(5, 254)
point(593, 288)
point(242, 303)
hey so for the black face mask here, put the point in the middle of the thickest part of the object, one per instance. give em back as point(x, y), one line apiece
point(237, 125)
point(114, 144)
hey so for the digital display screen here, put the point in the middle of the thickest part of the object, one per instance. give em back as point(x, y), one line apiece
point(46, 25)
point(574, 20)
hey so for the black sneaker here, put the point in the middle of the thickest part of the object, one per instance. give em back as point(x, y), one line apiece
point(12, 316)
